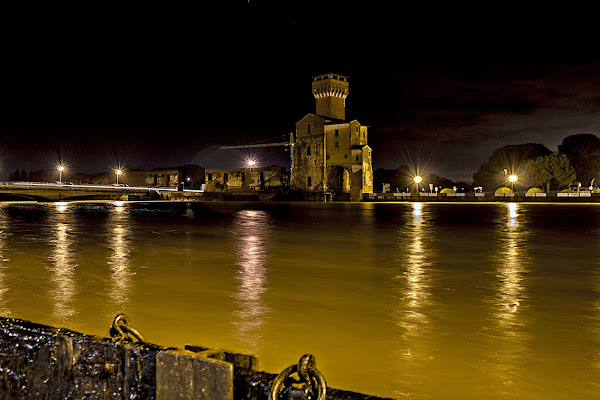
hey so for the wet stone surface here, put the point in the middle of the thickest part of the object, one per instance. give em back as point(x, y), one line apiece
point(42, 362)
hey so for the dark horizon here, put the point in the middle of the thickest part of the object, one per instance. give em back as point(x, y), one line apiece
point(165, 88)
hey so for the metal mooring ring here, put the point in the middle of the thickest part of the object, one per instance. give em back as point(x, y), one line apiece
point(307, 372)
point(120, 329)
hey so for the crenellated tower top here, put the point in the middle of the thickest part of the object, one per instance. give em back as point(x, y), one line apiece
point(331, 91)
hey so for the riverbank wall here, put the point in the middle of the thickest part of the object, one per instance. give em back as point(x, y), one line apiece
point(584, 197)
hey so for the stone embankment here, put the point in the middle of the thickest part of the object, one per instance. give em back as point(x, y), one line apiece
point(583, 197)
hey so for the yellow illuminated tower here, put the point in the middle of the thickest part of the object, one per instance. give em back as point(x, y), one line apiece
point(331, 91)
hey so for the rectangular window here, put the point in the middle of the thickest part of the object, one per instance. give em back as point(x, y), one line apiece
point(225, 177)
point(364, 135)
point(356, 158)
point(369, 154)
point(315, 162)
point(345, 155)
point(328, 156)
point(308, 128)
point(356, 128)
point(309, 181)
point(243, 176)
point(337, 132)
point(209, 177)
point(308, 150)
point(337, 144)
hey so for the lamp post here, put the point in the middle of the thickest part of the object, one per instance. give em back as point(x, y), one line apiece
point(118, 172)
point(60, 168)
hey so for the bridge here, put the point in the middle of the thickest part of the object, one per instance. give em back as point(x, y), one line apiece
point(40, 191)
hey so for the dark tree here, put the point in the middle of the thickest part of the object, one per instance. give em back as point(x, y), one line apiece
point(508, 160)
point(402, 178)
point(554, 168)
point(583, 152)
point(15, 175)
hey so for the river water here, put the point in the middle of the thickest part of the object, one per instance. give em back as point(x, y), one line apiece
point(405, 300)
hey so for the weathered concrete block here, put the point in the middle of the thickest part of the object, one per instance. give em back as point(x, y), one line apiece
point(185, 375)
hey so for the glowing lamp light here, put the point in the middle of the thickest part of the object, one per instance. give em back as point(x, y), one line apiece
point(513, 178)
point(418, 179)
point(118, 172)
point(251, 163)
point(60, 169)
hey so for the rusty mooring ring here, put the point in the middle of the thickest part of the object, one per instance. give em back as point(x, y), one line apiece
point(120, 329)
point(307, 372)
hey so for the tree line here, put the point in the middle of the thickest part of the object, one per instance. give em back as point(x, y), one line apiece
point(402, 179)
point(577, 160)
point(37, 175)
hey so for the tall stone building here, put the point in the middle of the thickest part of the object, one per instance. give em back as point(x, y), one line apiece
point(331, 154)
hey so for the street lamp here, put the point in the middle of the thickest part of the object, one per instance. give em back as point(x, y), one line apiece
point(251, 163)
point(60, 168)
point(418, 180)
point(118, 172)
point(513, 179)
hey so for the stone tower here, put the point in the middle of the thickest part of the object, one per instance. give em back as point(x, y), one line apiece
point(331, 91)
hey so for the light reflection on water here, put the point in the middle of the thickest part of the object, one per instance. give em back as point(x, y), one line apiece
point(414, 350)
point(62, 272)
point(506, 333)
point(3, 259)
point(409, 300)
point(251, 232)
point(119, 244)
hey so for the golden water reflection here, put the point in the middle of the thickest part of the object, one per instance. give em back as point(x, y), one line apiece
point(413, 350)
point(507, 334)
point(119, 234)
point(3, 259)
point(251, 232)
point(63, 267)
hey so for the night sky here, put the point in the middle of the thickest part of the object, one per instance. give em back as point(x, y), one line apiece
point(439, 88)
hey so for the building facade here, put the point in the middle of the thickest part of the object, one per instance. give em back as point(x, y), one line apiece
point(161, 178)
point(331, 155)
point(245, 179)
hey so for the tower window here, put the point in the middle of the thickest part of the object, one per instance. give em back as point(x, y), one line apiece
point(345, 155)
point(308, 128)
point(364, 135)
point(356, 128)
point(210, 177)
point(356, 158)
point(337, 144)
point(337, 132)
point(309, 181)
point(308, 150)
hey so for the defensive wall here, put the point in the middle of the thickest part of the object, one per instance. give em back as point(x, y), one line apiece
point(163, 178)
point(245, 179)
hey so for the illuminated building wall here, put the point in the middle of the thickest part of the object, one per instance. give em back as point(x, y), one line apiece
point(244, 179)
point(163, 178)
point(331, 154)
